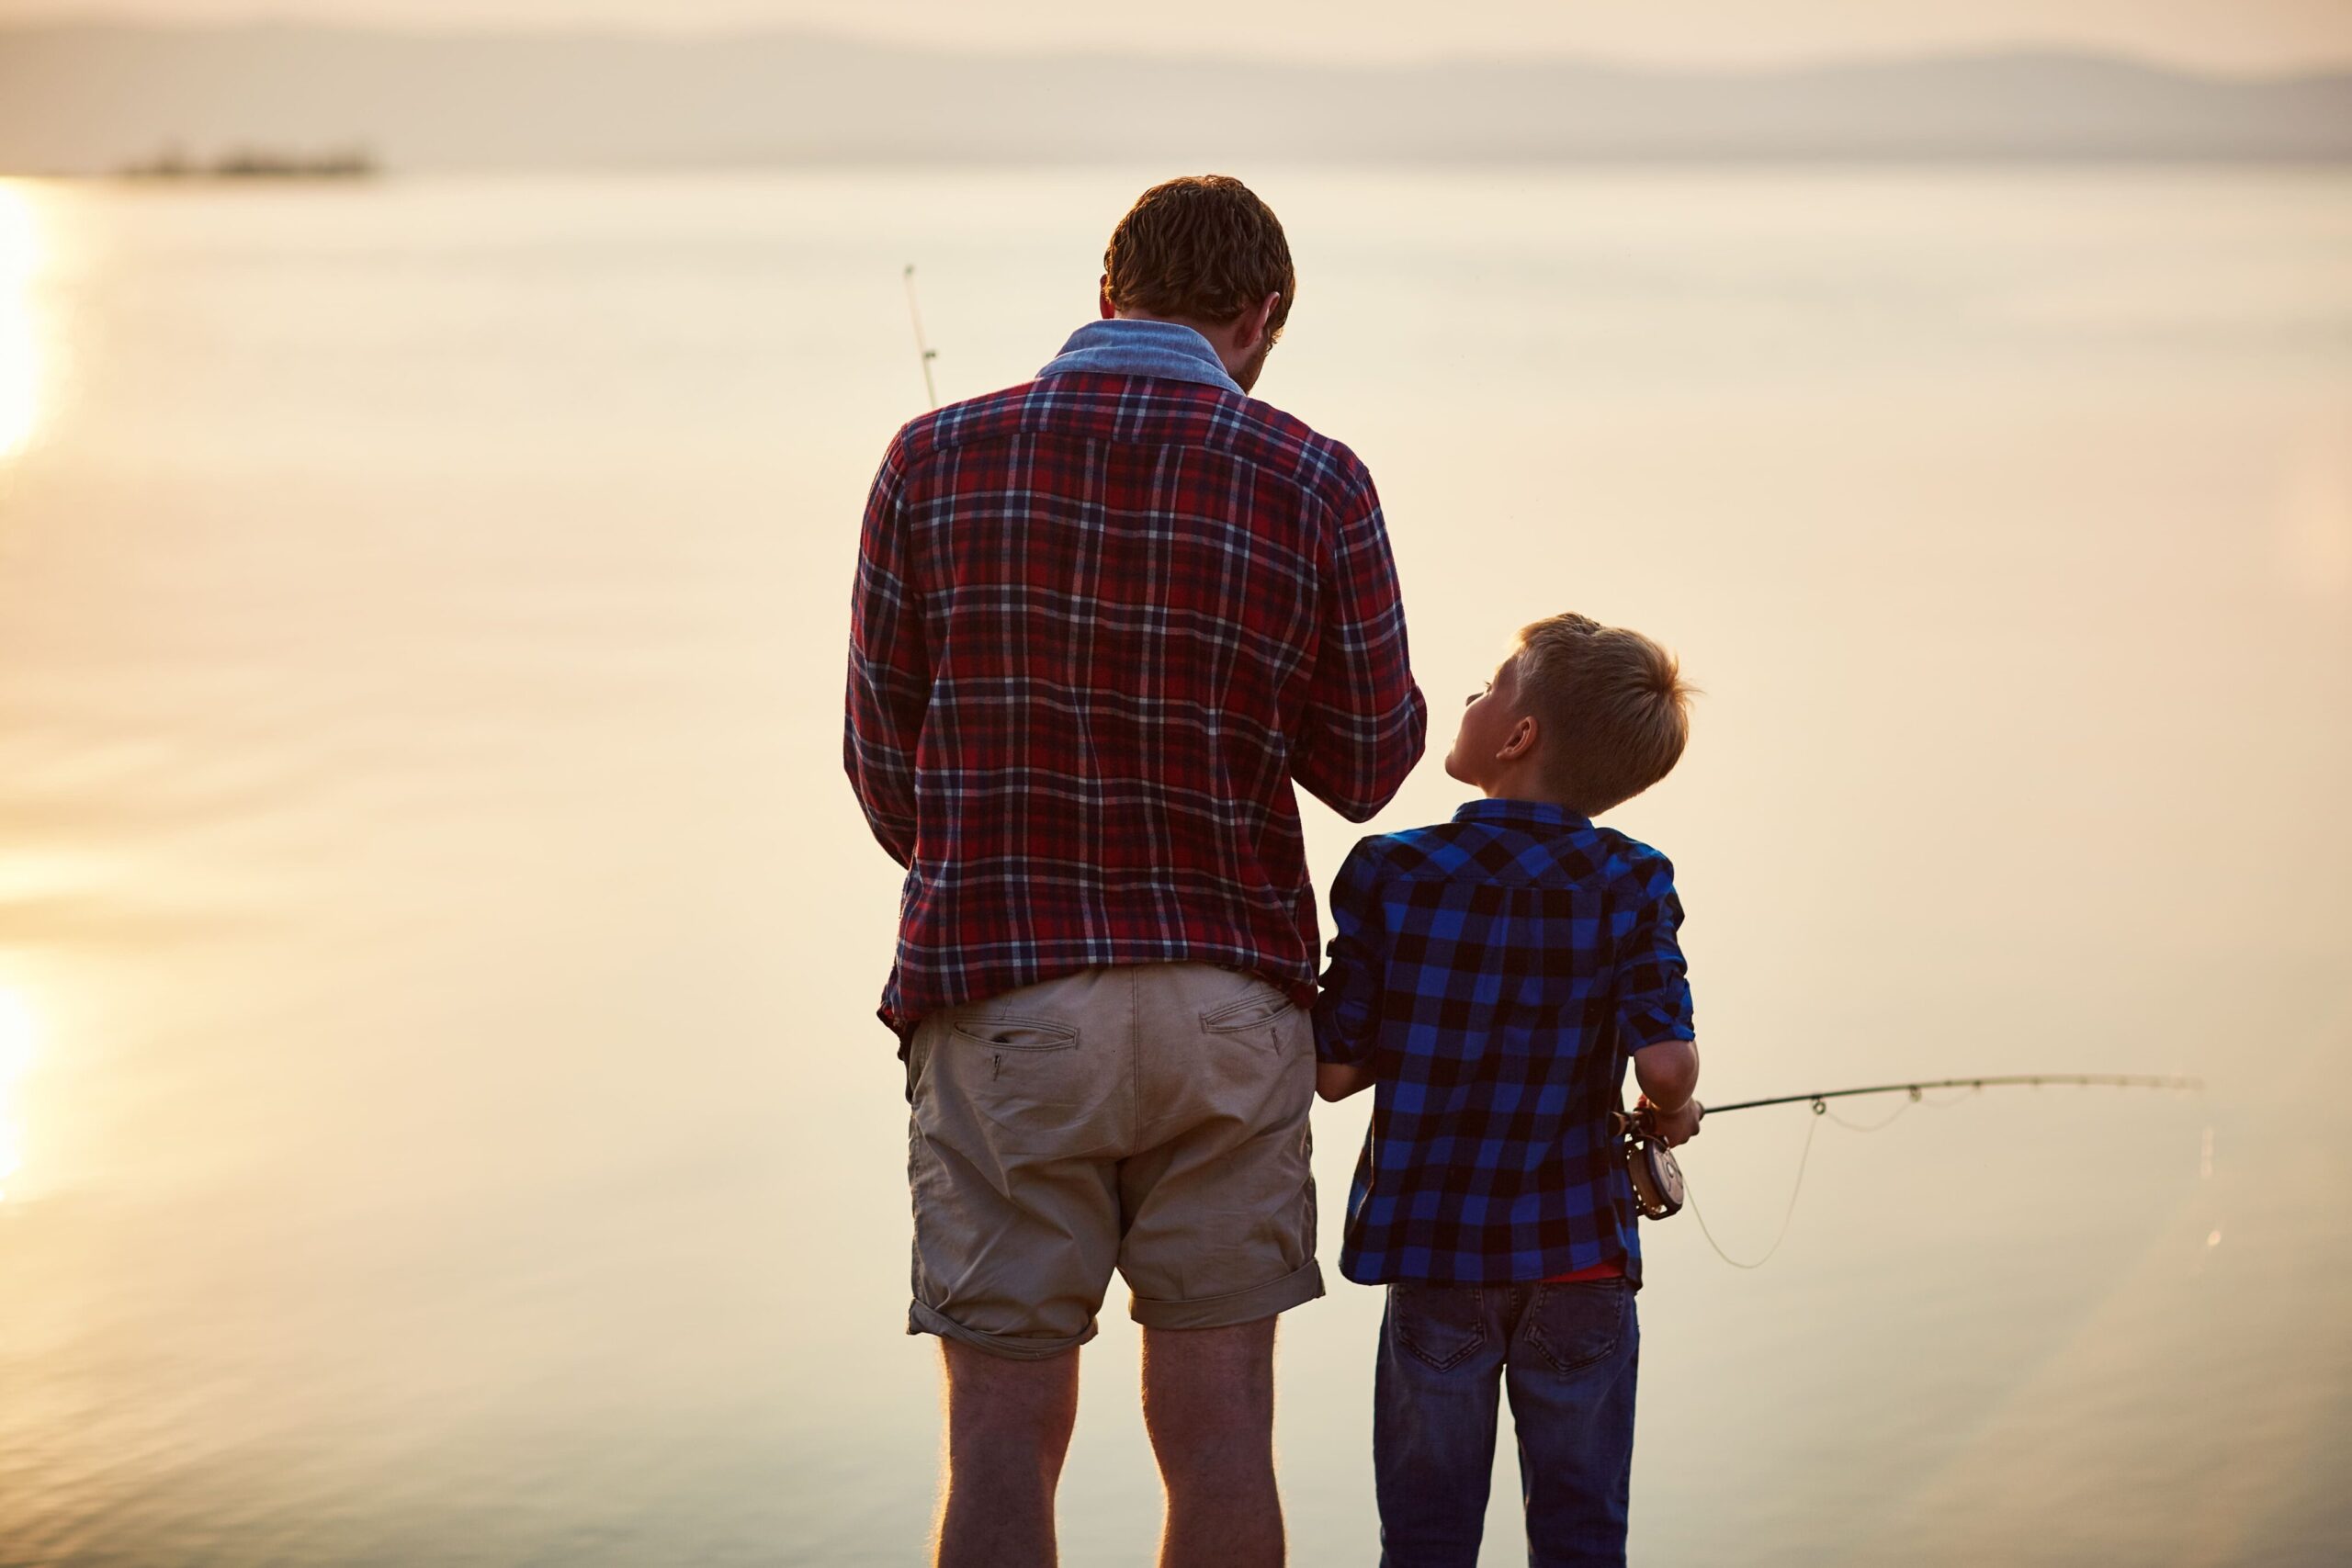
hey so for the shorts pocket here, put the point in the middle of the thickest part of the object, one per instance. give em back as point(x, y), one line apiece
point(1262, 1015)
point(1017, 1086)
point(1441, 1326)
point(1573, 1326)
point(1002, 1032)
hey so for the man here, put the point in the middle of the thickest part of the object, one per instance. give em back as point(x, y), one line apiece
point(1103, 622)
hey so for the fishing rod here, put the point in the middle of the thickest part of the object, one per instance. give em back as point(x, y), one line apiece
point(2032, 1080)
point(1660, 1193)
point(914, 313)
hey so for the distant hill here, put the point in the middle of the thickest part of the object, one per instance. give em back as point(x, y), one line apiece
point(90, 99)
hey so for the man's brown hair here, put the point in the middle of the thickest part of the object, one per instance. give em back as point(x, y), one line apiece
point(1611, 712)
point(1203, 248)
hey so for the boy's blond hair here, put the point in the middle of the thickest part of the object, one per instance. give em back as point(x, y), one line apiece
point(1611, 711)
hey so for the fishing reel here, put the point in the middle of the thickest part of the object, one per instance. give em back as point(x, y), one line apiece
point(1657, 1180)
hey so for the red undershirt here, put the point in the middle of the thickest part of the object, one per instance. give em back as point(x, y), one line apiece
point(1598, 1271)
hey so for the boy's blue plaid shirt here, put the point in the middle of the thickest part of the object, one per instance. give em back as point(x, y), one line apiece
point(1495, 972)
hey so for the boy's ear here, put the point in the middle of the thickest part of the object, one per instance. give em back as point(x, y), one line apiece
point(1519, 741)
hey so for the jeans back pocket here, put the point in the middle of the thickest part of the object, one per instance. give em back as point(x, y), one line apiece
point(1441, 1326)
point(1573, 1326)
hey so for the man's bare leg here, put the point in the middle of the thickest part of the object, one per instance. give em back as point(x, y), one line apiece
point(1208, 1401)
point(1008, 1429)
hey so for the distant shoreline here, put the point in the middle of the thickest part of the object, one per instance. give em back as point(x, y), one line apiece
point(224, 172)
point(252, 163)
point(87, 99)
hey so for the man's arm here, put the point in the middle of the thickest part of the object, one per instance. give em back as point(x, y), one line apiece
point(1347, 1012)
point(1365, 720)
point(890, 668)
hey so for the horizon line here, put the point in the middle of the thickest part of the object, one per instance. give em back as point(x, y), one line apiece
point(657, 33)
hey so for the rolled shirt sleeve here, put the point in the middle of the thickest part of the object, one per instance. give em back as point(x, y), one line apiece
point(1365, 721)
point(1653, 986)
point(1347, 1012)
point(889, 668)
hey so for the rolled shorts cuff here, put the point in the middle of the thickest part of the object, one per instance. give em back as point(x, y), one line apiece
point(1292, 1290)
point(922, 1319)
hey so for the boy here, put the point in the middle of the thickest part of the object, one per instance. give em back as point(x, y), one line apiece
point(1490, 975)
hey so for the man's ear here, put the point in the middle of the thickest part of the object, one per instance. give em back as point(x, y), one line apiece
point(1103, 297)
point(1253, 325)
point(1519, 741)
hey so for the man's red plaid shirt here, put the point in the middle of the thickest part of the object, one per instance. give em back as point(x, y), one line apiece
point(1102, 623)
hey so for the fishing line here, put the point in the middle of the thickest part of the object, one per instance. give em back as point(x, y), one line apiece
point(1917, 1097)
point(1787, 1215)
point(1656, 1173)
point(1878, 1126)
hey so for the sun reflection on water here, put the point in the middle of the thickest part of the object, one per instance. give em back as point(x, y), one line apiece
point(20, 256)
point(15, 1060)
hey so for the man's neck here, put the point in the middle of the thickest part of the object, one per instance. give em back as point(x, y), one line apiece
point(1218, 337)
point(1204, 328)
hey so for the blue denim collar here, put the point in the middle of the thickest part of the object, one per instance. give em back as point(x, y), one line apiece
point(1122, 347)
point(1520, 813)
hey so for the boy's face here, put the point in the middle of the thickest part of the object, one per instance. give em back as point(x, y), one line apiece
point(1486, 726)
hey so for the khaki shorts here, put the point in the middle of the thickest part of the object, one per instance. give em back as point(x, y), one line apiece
point(1150, 1118)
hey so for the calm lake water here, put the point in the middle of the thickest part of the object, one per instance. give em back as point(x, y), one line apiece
point(444, 1114)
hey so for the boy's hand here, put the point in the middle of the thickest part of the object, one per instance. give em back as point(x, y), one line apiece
point(1335, 1080)
point(1670, 1127)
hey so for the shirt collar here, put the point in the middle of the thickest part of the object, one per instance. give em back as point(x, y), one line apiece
point(1122, 348)
point(1519, 814)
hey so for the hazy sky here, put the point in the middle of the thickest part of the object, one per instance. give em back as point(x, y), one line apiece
point(2226, 34)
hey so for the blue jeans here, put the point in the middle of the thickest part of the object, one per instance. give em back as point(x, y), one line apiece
point(1567, 1354)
